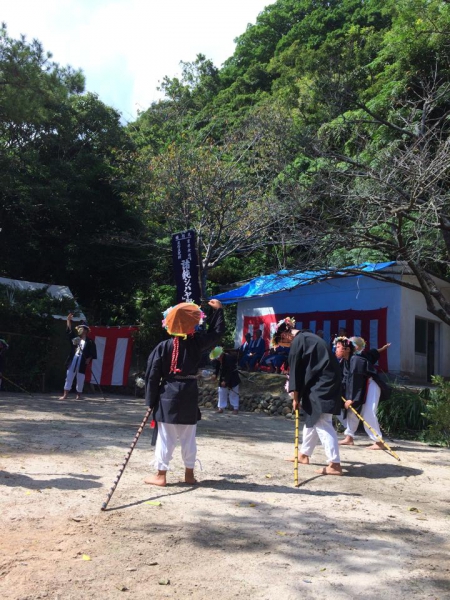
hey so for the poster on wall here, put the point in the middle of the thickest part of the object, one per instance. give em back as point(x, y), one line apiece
point(185, 266)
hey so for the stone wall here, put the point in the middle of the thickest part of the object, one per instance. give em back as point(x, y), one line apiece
point(259, 392)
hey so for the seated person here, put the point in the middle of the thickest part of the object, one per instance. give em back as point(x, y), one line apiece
point(276, 358)
point(256, 351)
point(244, 350)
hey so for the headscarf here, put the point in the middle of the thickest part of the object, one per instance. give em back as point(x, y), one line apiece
point(283, 335)
point(183, 319)
point(359, 343)
point(180, 321)
point(216, 353)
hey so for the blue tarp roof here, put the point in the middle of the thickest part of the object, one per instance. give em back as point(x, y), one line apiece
point(288, 280)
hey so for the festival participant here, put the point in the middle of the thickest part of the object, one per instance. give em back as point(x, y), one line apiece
point(360, 391)
point(82, 352)
point(171, 384)
point(315, 380)
point(279, 345)
point(244, 350)
point(228, 377)
point(256, 350)
point(373, 354)
point(3, 349)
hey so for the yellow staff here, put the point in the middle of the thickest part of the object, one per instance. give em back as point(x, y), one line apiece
point(297, 419)
point(388, 448)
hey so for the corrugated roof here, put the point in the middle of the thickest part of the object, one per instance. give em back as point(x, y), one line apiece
point(56, 291)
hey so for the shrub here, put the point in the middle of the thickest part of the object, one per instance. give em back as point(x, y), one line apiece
point(404, 411)
point(437, 413)
point(27, 324)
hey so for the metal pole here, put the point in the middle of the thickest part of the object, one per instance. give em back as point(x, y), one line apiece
point(95, 378)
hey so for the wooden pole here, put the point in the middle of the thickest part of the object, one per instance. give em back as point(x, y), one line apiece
point(297, 419)
point(387, 447)
point(127, 458)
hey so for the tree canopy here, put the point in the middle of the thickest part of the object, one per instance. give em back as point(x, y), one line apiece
point(322, 141)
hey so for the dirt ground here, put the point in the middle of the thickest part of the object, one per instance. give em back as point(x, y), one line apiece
point(379, 532)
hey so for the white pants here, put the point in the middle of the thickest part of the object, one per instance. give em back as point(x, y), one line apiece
point(231, 394)
point(368, 413)
point(168, 433)
point(71, 372)
point(324, 432)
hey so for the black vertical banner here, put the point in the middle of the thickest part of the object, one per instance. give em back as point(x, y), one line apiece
point(185, 266)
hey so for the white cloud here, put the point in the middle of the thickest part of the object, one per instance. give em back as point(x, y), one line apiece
point(125, 47)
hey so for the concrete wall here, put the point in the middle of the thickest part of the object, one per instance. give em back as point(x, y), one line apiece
point(413, 305)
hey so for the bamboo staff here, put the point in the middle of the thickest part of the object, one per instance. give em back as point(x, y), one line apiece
point(297, 419)
point(387, 447)
point(127, 458)
point(17, 386)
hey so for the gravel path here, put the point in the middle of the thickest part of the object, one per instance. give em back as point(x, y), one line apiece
point(379, 532)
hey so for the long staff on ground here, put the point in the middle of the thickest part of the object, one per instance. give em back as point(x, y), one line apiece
point(387, 447)
point(16, 385)
point(297, 419)
point(127, 458)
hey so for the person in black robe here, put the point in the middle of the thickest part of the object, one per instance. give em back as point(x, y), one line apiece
point(244, 349)
point(82, 352)
point(371, 354)
point(315, 380)
point(171, 388)
point(360, 390)
point(227, 374)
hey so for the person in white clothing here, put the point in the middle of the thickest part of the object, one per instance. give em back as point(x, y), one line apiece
point(82, 352)
point(227, 374)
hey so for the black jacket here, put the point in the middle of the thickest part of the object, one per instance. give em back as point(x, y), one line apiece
point(174, 399)
point(315, 374)
point(226, 371)
point(89, 350)
point(355, 375)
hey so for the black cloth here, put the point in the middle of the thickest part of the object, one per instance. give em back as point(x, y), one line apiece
point(355, 373)
point(226, 371)
point(315, 374)
point(174, 399)
point(243, 349)
point(89, 350)
point(371, 355)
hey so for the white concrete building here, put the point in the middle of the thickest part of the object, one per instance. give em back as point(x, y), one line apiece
point(378, 311)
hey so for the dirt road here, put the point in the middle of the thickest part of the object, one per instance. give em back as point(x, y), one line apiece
point(382, 531)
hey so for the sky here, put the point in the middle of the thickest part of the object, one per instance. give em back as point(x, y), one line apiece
point(126, 47)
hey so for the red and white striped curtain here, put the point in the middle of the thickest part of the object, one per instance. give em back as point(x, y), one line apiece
point(114, 350)
point(368, 324)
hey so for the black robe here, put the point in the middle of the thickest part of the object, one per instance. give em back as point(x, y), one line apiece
point(89, 351)
point(226, 371)
point(355, 375)
point(315, 374)
point(174, 399)
point(371, 355)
